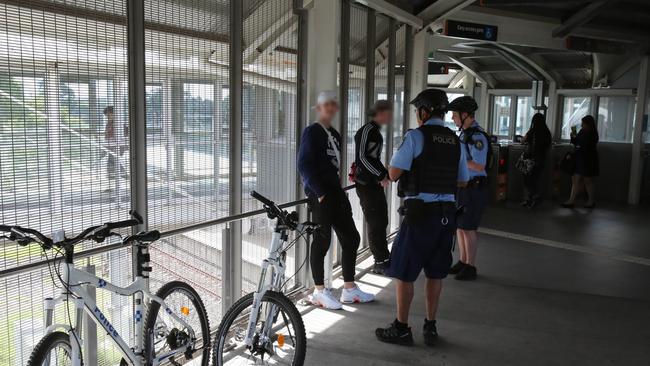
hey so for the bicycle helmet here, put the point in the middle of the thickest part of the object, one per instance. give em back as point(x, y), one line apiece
point(432, 100)
point(465, 104)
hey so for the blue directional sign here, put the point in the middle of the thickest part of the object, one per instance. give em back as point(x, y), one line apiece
point(482, 32)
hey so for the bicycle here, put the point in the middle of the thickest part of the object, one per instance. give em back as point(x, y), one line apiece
point(164, 336)
point(254, 327)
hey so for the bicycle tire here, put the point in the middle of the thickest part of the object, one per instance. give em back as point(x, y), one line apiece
point(45, 345)
point(154, 308)
point(242, 304)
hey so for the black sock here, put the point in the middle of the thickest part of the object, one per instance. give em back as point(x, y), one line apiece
point(401, 326)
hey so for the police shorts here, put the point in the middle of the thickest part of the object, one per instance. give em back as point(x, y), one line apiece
point(426, 245)
point(474, 201)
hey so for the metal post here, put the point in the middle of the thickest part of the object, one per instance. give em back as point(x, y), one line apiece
point(302, 250)
point(89, 326)
point(371, 42)
point(235, 157)
point(390, 135)
point(408, 61)
point(227, 296)
point(636, 170)
point(137, 113)
point(54, 156)
point(344, 83)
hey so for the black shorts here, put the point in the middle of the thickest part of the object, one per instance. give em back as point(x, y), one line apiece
point(474, 201)
point(426, 245)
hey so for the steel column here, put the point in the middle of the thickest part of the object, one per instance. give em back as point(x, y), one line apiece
point(371, 42)
point(636, 170)
point(302, 250)
point(390, 135)
point(344, 83)
point(232, 278)
point(408, 60)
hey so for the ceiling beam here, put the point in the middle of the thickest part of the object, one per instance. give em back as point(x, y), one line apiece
point(581, 17)
point(403, 16)
point(442, 9)
point(472, 69)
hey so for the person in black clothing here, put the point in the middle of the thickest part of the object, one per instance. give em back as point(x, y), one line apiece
point(587, 162)
point(319, 158)
point(371, 178)
point(538, 140)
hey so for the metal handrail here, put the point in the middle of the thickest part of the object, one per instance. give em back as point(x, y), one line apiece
point(107, 248)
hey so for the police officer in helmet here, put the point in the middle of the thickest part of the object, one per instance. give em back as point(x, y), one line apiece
point(430, 165)
point(474, 197)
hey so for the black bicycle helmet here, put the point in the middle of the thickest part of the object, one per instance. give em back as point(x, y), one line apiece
point(465, 104)
point(431, 99)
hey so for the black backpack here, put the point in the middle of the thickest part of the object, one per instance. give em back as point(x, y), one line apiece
point(468, 133)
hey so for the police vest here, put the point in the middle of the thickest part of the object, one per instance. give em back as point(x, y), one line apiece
point(435, 170)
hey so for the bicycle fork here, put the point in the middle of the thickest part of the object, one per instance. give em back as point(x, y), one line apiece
point(73, 333)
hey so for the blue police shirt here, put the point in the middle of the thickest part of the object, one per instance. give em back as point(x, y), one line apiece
point(412, 147)
point(478, 151)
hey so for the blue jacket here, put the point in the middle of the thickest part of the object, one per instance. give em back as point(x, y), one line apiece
point(318, 160)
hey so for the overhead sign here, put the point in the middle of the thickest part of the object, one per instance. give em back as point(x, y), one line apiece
point(441, 68)
point(482, 32)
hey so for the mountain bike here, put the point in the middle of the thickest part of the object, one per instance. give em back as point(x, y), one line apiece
point(176, 325)
point(265, 327)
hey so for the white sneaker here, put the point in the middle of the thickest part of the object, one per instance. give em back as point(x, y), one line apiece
point(325, 299)
point(355, 295)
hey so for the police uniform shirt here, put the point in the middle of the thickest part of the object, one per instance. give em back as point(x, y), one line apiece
point(411, 148)
point(478, 151)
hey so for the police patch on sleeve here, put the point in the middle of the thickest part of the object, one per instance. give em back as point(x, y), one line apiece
point(479, 145)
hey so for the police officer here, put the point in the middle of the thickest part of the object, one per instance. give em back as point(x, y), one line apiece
point(371, 177)
point(474, 197)
point(430, 165)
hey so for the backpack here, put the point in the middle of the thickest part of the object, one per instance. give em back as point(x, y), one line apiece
point(468, 134)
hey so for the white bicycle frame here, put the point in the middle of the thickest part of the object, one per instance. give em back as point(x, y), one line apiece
point(74, 278)
point(275, 262)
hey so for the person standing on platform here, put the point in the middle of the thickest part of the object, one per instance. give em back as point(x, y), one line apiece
point(587, 165)
point(538, 140)
point(319, 158)
point(371, 177)
point(474, 197)
point(430, 166)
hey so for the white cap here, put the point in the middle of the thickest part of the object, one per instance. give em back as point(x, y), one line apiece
point(327, 96)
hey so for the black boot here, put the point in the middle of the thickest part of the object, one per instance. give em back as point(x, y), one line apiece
point(380, 267)
point(468, 273)
point(396, 333)
point(456, 267)
point(430, 332)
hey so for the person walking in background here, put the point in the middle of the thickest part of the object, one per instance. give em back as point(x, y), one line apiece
point(538, 140)
point(587, 165)
point(110, 138)
point(319, 158)
point(371, 177)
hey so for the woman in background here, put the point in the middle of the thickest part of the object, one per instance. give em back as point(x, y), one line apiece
point(538, 140)
point(587, 162)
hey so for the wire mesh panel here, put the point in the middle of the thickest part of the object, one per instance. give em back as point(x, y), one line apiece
point(269, 121)
point(187, 111)
point(63, 143)
point(381, 57)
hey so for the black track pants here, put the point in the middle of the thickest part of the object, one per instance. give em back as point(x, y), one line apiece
point(335, 213)
point(375, 211)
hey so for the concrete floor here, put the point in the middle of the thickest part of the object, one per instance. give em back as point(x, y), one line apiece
point(580, 296)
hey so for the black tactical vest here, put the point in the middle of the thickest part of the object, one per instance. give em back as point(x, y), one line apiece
point(435, 170)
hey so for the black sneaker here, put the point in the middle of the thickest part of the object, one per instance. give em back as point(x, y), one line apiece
point(396, 333)
point(380, 267)
point(430, 332)
point(468, 273)
point(456, 267)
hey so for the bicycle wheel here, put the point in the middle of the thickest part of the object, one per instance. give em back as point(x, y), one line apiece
point(54, 350)
point(164, 334)
point(286, 344)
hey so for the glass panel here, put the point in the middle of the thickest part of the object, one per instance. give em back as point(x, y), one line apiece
point(574, 108)
point(525, 113)
point(501, 115)
point(616, 118)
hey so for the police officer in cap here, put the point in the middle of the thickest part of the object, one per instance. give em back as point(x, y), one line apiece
point(474, 197)
point(430, 165)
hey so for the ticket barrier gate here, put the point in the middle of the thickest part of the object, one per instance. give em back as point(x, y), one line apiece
point(498, 174)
